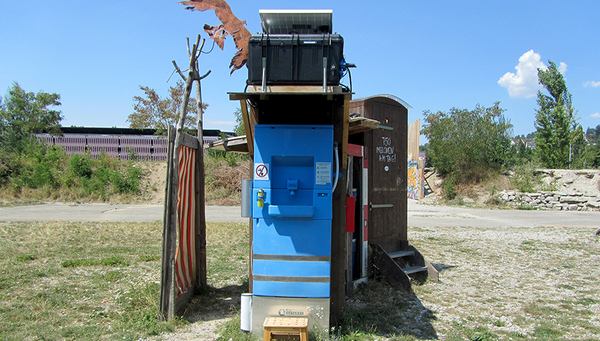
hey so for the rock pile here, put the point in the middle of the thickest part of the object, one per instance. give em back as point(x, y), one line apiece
point(572, 190)
point(545, 200)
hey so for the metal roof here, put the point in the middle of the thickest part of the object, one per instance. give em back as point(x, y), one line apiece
point(392, 97)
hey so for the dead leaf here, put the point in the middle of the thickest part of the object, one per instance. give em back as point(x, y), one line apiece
point(231, 25)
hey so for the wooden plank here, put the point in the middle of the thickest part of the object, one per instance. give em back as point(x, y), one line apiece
point(173, 223)
point(414, 134)
point(338, 232)
point(345, 122)
point(167, 251)
point(236, 144)
point(189, 141)
point(359, 124)
point(432, 272)
point(253, 115)
point(247, 128)
point(200, 282)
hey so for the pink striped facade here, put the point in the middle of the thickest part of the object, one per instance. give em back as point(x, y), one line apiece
point(145, 147)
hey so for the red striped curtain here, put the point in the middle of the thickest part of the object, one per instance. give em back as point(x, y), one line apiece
point(185, 257)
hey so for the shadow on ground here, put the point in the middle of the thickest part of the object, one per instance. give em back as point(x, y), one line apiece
point(382, 309)
point(442, 267)
point(215, 303)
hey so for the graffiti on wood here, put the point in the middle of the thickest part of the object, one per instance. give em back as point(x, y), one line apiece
point(385, 151)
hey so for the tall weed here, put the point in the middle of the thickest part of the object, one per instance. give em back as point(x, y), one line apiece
point(524, 178)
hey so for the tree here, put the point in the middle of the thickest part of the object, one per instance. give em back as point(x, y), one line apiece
point(467, 144)
point(239, 129)
point(24, 114)
point(158, 113)
point(556, 125)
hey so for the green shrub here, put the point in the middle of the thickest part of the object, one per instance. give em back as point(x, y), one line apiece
point(81, 165)
point(449, 187)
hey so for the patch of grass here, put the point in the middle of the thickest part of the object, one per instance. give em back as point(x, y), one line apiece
point(231, 331)
point(77, 287)
point(25, 258)
point(110, 261)
point(588, 301)
point(148, 258)
point(547, 332)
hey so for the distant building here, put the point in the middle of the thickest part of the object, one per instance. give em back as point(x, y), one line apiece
point(120, 143)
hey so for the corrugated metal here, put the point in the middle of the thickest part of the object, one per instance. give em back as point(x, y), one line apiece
point(71, 143)
point(141, 146)
point(97, 144)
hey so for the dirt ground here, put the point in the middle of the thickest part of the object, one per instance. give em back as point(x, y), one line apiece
point(155, 176)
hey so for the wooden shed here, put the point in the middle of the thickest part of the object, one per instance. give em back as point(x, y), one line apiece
point(381, 192)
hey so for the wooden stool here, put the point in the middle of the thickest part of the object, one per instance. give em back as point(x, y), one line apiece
point(286, 326)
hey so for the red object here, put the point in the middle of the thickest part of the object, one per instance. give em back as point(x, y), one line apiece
point(350, 210)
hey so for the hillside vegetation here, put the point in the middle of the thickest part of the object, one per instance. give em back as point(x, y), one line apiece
point(48, 174)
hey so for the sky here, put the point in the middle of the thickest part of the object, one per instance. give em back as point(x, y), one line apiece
point(434, 55)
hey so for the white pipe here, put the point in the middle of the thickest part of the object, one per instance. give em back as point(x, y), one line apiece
point(337, 166)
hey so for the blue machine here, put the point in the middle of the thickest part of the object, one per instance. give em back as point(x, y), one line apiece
point(292, 210)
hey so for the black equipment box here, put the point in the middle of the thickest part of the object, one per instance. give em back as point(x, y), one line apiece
point(301, 59)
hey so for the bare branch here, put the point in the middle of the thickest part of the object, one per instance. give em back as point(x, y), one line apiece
point(179, 70)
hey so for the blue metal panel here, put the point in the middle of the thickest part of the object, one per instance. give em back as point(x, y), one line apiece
point(283, 289)
point(293, 168)
point(320, 201)
point(291, 268)
point(290, 149)
point(294, 237)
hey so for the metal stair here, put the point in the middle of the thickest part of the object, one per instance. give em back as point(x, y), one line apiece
point(399, 267)
point(414, 269)
point(407, 269)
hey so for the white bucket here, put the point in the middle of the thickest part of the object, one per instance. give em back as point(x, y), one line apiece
point(246, 313)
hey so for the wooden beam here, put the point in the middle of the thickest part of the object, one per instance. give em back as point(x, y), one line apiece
point(189, 141)
point(358, 125)
point(345, 121)
point(166, 286)
point(338, 231)
point(247, 126)
point(201, 269)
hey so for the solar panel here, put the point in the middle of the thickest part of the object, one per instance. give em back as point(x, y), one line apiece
point(296, 21)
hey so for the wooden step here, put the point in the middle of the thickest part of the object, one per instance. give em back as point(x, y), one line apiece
point(399, 254)
point(413, 269)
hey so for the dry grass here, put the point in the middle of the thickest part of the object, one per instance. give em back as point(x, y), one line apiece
point(523, 283)
point(91, 281)
point(99, 281)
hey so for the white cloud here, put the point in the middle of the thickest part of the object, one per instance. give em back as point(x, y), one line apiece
point(597, 115)
point(562, 68)
point(592, 84)
point(525, 82)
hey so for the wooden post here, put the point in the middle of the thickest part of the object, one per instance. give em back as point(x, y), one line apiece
point(168, 256)
point(247, 128)
point(338, 230)
point(200, 194)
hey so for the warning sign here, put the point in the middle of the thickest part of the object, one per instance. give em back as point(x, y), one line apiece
point(261, 171)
